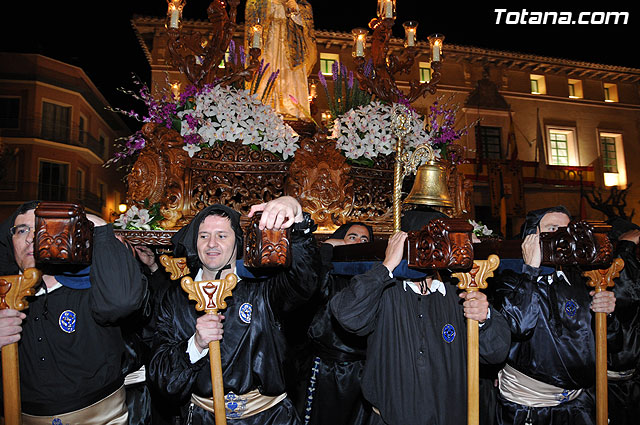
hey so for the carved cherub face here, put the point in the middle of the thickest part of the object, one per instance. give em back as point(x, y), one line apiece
point(552, 221)
point(356, 234)
point(216, 245)
point(23, 231)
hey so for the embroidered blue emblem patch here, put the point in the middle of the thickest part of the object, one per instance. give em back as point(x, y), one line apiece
point(571, 308)
point(67, 321)
point(56, 421)
point(235, 405)
point(245, 312)
point(448, 333)
point(563, 396)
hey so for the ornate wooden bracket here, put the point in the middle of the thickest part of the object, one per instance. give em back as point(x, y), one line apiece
point(580, 243)
point(602, 279)
point(64, 235)
point(209, 294)
point(177, 267)
point(266, 248)
point(441, 244)
point(476, 279)
point(14, 288)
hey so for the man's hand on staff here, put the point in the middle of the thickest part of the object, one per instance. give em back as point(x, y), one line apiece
point(208, 329)
point(279, 213)
point(10, 326)
point(603, 302)
point(475, 305)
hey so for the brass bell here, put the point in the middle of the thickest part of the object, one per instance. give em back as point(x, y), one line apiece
point(430, 186)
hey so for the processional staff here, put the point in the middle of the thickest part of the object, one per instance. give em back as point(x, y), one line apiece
point(601, 280)
point(473, 281)
point(13, 290)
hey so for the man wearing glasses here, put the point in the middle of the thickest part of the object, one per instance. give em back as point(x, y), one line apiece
point(70, 344)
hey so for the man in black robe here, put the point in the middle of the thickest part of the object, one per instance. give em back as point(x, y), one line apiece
point(622, 366)
point(253, 344)
point(415, 371)
point(550, 370)
point(334, 395)
point(70, 344)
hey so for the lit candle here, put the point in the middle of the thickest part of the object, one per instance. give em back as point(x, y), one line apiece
point(312, 90)
point(175, 17)
point(360, 45)
point(257, 37)
point(436, 51)
point(175, 89)
point(411, 37)
point(388, 9)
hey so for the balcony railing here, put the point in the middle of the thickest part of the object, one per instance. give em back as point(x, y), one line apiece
point(21, 192)
point(33, 127)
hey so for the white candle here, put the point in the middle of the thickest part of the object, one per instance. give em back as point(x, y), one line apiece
point(436, 52)
point(257, 37)
point(360, 46)
point(388, 9)
point(175, 16)
point(411, 38)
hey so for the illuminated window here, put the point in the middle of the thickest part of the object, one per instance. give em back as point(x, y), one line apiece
point(538, 85)
point(609, 161)
point(326, 62)
point(575, 89)
point(559, 148)
point(613, 164)
point(425, 72)
point(610, 92)
point(562, 146)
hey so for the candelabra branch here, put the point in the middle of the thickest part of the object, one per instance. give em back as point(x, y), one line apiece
point(378, 76)
point(198, 55)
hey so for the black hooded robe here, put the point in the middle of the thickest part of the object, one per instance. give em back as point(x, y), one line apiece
point(624, 392)
point(552, 337)
point(334, 395)
point(253, 345)
point(71, 346)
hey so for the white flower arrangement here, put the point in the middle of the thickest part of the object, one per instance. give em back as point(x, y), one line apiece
point(480, 229)
point(365, 132)
point(226, 114)
point(139, 219)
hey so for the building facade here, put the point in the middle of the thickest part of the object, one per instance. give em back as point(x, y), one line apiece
point(542, 131)
point(56, 136)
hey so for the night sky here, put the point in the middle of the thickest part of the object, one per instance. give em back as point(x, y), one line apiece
point(98, 36)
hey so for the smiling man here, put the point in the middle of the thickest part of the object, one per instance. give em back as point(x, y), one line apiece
point(550, 371)
point(70, 344)
point(252, 342)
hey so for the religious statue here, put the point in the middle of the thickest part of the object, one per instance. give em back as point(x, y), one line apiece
point(289, 47)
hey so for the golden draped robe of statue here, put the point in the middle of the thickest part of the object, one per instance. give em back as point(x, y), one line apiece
point(289, 45)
